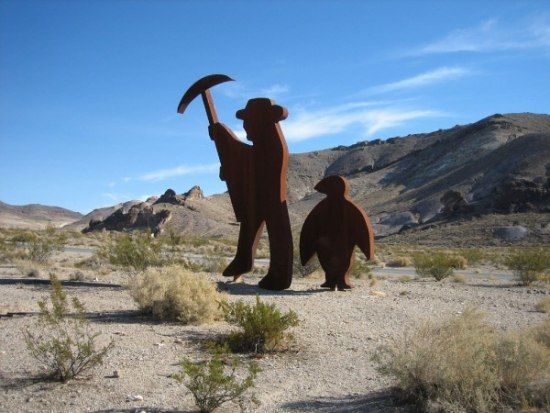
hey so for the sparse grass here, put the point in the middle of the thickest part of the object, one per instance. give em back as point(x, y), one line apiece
point(214, 381)
point(464, 364)
point(436, 264)
point(61, 341)
point(373, 281)
point(400, 262)
point(174, 294)
point(543, 306)
point(529, 265)
point(262, 327)
point(405, 279)
point(137, 251)
point(474, 256)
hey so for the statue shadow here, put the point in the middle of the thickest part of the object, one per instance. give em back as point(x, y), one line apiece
point(65, 283)
point(122, 317)
point(375, 402)
point(251, 289)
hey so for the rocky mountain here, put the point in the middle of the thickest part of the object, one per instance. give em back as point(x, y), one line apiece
point(498, 165)
point(35, 216)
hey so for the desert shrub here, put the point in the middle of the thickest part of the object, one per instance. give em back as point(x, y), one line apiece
point(62, 341)
point(474, 256)
point(214, 264)
point(213, 382)
point(262, 326)
point(436, 264)
point(137, 251)
point(543, 306)
point(529, 265)
point(459, 279)
point(360, 269)
point(175, 294)
point(464, 364)
point(458, 262)
point(22, 236)
point(400, 262)
point(40, 247)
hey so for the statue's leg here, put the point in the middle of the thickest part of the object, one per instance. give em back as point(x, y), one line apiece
point(249, 235)
point(279, 275)
point(342, 278)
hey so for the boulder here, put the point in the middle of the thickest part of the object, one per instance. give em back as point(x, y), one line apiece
point(511, 234)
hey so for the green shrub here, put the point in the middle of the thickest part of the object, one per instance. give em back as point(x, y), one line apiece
point(174, 294)
point(464, 364)
point(436, 264)
point(40, 247)
point(458, 262)
point(360, 269)
point(262, 326)
point(61, 341)
point(529, 265)
point(213, 382)
point(137, 251)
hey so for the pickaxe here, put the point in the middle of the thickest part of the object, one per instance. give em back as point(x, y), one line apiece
point(201, 87)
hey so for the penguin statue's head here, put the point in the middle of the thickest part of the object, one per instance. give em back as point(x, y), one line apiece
point(333, 186)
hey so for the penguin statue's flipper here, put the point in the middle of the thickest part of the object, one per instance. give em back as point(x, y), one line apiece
point(309, 234)
point(364, 233)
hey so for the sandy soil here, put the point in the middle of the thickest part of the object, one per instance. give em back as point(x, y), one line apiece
point(330, 370)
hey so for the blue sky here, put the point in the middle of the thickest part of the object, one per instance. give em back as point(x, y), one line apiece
point(88, 90)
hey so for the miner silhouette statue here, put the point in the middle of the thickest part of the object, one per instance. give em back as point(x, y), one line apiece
point(332, 230)
point(256, 181)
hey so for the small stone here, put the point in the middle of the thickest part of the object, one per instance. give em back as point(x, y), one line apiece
point(178, 341)
point(135, 398)
point(116, 375)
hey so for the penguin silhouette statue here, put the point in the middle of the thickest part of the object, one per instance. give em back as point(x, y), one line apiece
point(332, 230)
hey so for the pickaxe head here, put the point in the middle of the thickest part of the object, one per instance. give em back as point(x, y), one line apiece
point(200, 86)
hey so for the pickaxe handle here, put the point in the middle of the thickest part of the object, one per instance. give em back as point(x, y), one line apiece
point(209, 107)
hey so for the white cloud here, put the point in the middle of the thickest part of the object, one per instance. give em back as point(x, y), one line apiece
point(491, 36)
point(311, 124)
point(239, 90)
point(438, 75)
point(163, 174)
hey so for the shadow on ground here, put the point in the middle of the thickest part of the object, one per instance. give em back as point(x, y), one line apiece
point(144, 409)
point(64, 283)
point(377, 402)
point(252, 289)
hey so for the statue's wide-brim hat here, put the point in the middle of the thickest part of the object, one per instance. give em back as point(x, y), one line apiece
point(260, 106)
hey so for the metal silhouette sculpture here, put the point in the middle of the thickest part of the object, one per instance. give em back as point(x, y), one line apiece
point(332, 230)
point(256, 181)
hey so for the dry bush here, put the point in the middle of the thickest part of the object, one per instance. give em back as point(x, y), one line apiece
point(529, 265)
point(175, 294)
point(137, 251)
point(459, 279)
point(405, 278)
point(543, 306)
point(437, 264)
point(458, 262)
point(400, 262)
point(464, 364)
point(41, 246)
point(262, 326)
point(214, 381)
point(61, 340)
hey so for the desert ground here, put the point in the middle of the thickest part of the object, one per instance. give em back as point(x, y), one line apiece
point(327, 369)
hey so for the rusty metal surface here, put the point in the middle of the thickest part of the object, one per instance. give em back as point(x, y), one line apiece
point(256, 181)
point(332, 230)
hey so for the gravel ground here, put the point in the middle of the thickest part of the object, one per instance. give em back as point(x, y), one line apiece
point(329, 370)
